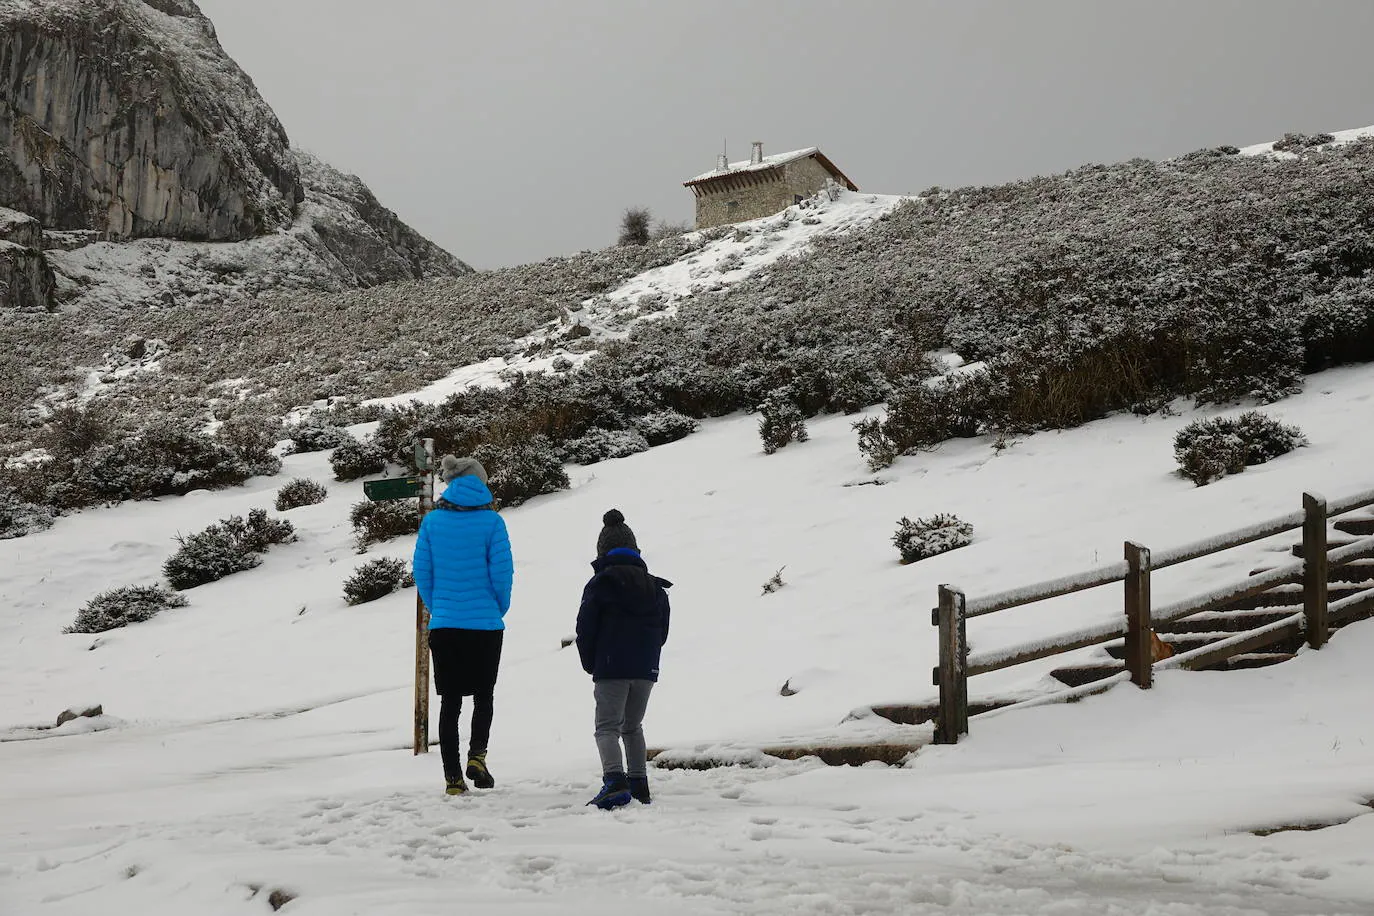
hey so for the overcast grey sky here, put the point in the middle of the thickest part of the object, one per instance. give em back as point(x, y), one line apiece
point(513, 130)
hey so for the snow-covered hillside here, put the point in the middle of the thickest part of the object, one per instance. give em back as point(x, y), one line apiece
point(257, 740)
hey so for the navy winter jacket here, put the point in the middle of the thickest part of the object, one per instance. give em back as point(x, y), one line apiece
point(463, 565)
point(623, 622)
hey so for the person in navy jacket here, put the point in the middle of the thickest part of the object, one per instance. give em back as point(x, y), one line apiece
point(622, 626)
point(464, 571)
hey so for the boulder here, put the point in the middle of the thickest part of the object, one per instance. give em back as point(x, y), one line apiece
point(79, 712)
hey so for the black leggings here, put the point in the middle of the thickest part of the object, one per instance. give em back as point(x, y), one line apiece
point(450, 705)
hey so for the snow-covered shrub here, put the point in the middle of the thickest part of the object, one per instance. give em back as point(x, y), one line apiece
point(317, 437)
point(1210, 449)
point(874, 444)
point(300, 492)
point(520, 471)
point(374, 522)
point(163, 459)
point(352, 459)
point(71, 431)
point(1266, 438)
point(922, 414)
point(664, 426)
point(119, 607)
point(1292, 142)
point(1338, 325)
point(774, 582)
point(19, 518)
point(228, 546)
point(926, 537)
point(780, 422)
point(601, 444)
point(252, 437)
point(377, 579)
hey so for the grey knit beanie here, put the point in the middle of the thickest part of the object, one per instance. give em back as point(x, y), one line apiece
point(615, 533)
point(451, 467)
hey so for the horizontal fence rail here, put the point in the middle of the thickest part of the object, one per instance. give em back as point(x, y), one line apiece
point(1307, 577)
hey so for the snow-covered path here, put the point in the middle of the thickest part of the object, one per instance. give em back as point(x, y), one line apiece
point(795, 838)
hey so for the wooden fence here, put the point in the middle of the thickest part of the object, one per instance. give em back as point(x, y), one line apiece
point(1138, 623)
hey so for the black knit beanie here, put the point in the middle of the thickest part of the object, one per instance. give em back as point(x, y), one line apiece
point(615, 534)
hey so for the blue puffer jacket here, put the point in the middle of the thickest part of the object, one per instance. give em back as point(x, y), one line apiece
point(463, 565)
point(623, 621)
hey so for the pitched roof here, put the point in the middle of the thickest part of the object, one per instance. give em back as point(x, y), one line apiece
point(772, 162)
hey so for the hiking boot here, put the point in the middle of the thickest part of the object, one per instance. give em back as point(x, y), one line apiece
point(455, 785)
point(615, 792)
point(478, 772)
point(639, 789)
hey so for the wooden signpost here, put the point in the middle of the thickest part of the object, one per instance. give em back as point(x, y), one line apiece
point(421, 485)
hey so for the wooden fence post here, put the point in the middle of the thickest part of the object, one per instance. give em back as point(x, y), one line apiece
point(424, 462)
point(952, 675)
point(1139, 625)
point(1314, 571)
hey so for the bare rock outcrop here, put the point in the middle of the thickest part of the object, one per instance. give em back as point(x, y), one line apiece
point(128, 118)
point(153, 173)
point(26, 280)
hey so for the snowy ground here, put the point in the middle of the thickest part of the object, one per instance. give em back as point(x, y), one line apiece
point(259, 738)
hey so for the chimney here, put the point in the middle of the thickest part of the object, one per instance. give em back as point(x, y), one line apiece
point(722, 163)
point(757, 156)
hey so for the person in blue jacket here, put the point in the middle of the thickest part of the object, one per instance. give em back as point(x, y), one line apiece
point(622, 626)
point(464, 571)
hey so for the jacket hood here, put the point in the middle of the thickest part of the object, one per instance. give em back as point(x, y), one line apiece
point(468, 491)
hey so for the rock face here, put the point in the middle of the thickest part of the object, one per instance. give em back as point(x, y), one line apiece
point(128, 118)
point(130, 136)
point(26, 280)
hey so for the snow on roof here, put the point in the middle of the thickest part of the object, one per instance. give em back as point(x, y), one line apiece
point(746, 165)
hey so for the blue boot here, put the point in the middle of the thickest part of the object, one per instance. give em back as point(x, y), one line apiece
point(615, 792)
point(639, 789)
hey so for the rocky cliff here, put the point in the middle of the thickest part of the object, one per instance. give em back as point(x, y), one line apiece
point(125, 120)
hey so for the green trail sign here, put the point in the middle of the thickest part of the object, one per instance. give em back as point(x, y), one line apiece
point(391, 488)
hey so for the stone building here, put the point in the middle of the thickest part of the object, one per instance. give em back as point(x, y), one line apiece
point(736, 191)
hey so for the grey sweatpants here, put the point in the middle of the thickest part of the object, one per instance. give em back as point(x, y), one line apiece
point(620, 705)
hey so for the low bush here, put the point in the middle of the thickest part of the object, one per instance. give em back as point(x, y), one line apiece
point(377, 579)
point(664, 426)
point(875, 445)
point(520, 471)
point(922, 414)
point(230, 545)
point(119, 607)
point(317, 437)
point(374, 522)
point(161, 460)
point(19, 518)
point(601, 444)
point(352, 459)
point(780, 422)
point(252, 437)
point(300, 492)
point(1291, 142)
point(1207, 450)
point(926, 537)
point(71, 431)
